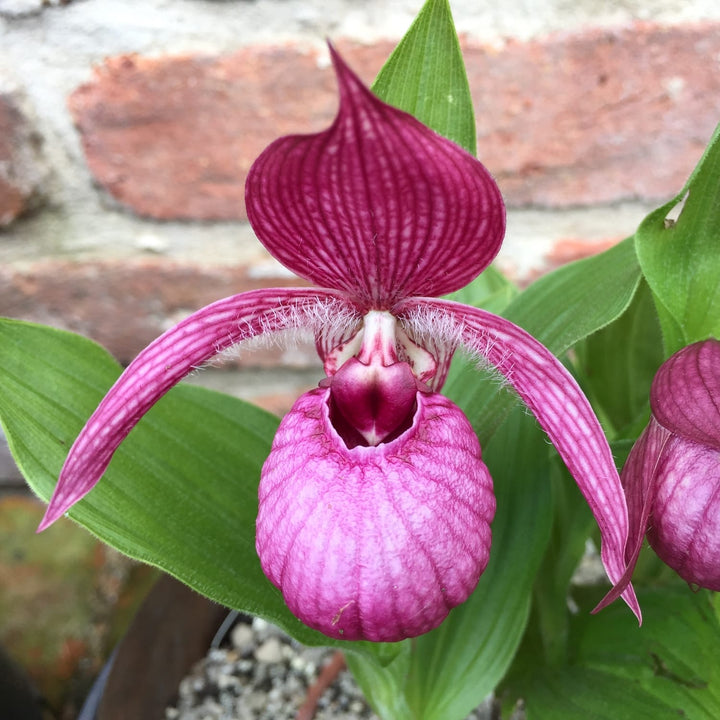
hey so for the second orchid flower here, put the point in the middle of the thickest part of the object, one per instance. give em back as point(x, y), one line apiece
point(672, 475)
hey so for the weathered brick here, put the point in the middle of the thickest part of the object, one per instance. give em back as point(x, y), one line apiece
point(12, 202)
point(595, 117)
point(174, 137)
point(22, 171)
point(124, 305)
point(568, 250)
point(599, 117)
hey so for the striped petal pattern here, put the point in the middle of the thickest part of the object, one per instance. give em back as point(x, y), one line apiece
point(557, 402)
point(168, 360)
point(672, 475)
point(378, 205)
point(378, 542)
point(685, 394)
point(684, 525)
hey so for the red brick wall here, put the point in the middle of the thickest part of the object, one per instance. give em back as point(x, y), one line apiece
point(582, 119)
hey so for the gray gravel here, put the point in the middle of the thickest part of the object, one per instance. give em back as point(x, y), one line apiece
point(264, 675)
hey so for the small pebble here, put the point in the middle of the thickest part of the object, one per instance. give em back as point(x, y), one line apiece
point(265, 676)
point(242, 638)
point(270, 651)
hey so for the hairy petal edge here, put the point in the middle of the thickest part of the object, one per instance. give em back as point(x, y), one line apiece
point(167, 360)
point(557, 402)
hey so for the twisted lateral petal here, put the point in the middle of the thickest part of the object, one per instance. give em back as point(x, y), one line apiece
point(638, 481)
point(557, 402)
point(378, 205)
point(168, 360)
point(685, 394)
point(375, 543)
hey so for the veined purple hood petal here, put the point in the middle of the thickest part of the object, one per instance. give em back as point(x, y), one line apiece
point(170, 358)
point(685, 394)
point(379, 542)
point(378, 205)
point(557, 402)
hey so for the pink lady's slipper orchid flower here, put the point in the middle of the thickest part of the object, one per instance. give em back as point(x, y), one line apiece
point(672, 475)
point(375, 504)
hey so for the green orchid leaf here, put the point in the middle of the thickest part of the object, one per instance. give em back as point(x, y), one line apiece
point(181, 491)
point(490, 290)
point(578, 299)
point(451, 675)
point(573, 523)
point(559, 309)
point(425, 76)
point(617, 365)
point(667, 668)
point(673, 656)
point(382, 681)
point(584, 693)
point(680, 257)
